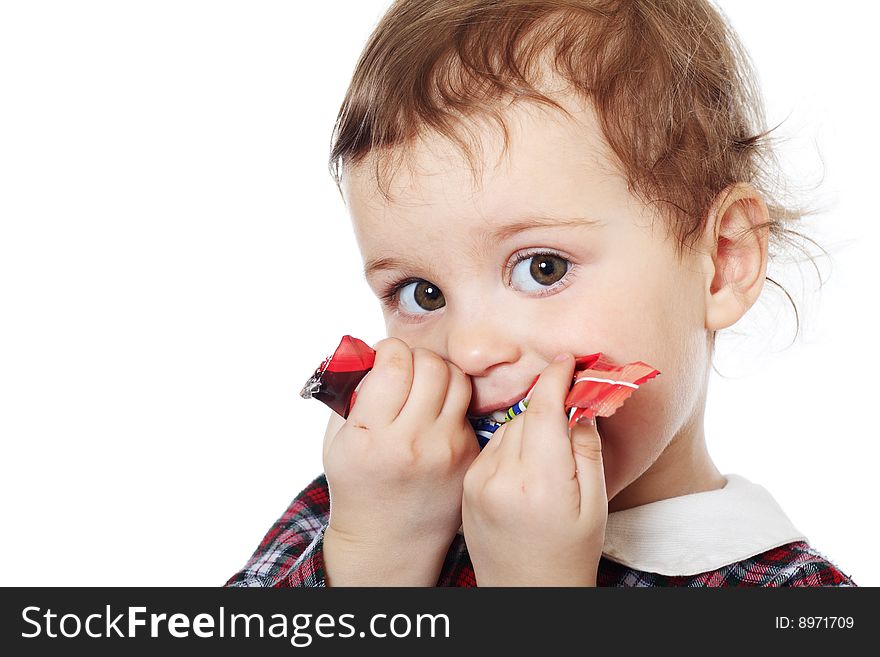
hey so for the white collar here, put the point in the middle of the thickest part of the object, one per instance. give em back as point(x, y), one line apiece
point(695, 533)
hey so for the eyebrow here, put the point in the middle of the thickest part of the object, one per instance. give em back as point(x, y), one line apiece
point(497, 234)
point(509, 230)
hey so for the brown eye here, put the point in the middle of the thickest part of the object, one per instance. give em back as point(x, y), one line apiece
point(420, 296)
point(545, 269)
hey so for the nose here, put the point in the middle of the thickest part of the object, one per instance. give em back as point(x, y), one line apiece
point(478, 343)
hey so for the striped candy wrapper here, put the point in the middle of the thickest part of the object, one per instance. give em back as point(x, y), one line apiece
point(599, 388)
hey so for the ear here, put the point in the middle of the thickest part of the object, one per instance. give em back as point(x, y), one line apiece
point(736, 239)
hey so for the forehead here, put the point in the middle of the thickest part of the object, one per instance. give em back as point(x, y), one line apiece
point(548, 154)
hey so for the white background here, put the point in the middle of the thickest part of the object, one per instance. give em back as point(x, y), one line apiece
point(175, 261)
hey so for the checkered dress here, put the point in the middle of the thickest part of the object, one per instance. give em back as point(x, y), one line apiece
point(291, 555)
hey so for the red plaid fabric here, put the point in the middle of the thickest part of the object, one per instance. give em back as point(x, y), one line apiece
point(290, 555)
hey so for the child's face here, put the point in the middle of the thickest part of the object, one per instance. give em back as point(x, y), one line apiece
point(489, 287)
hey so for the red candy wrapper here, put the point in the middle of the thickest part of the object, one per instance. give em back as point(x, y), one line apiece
point(335, 380)
point(599, 386)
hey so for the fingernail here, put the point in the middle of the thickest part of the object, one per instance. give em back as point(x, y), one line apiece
point(561, 357)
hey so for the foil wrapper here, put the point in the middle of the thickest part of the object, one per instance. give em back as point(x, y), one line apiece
point(599, 386)
point(335, 380)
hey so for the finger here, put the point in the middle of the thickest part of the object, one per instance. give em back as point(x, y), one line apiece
point(485, 464)
point(334, 424)
point(586, 448)
point(489, 452)
point(509, 449)
point(458, 395)
point(383, 392)
point(430, 381)
point(546, 432)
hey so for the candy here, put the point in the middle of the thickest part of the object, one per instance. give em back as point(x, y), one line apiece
point(484, 427)
point(599, 386)
point(334, 382)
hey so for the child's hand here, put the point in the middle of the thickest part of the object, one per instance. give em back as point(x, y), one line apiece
point(535, 505)
point(395, 470)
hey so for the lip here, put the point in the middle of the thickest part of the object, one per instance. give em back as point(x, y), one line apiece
point(503, 405)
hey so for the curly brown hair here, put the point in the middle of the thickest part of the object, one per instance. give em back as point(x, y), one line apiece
point(673, 88)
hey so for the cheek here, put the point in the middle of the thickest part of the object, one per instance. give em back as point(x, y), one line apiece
point(638, 432)
point(651, 323)
point(423, 335)
point(603, 320)
point(655, 318)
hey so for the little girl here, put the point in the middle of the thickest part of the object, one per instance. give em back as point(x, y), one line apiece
point(530, 180)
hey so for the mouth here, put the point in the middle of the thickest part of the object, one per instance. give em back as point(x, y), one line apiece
point(498, 411)
point(486, 420)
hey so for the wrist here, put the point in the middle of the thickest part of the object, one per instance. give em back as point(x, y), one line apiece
point(368, 561)
point(542, 578)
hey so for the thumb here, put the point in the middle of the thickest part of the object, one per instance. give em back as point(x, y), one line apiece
point(586, 447)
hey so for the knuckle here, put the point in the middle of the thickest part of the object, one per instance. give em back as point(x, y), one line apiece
point(393, 354)
point(494, 493)
point(537, 411)
point(546, 409)
point(429, 363)
point(587, 447)
point(334, 424)
point(444, 457)
point(472, 482)
point(464, 448)
point(418, 453)
point(396, 459)
point(497, 486)
point(408, 459)
point(437, 450)
point(460, 381)
point(455, 372)
point(389, 343)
